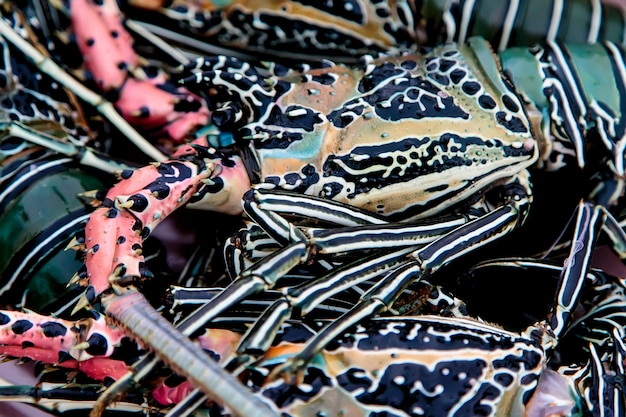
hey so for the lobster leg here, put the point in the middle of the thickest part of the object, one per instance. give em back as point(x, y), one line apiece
point(84, 344)
point(46, 65)
point(265, 207)
point(427, 260)
point(606, 396)
point(306, 297)
point(90, 344)
point(289, 257)
point(265, 274)
point(78, 399)
point(421, 262)
point(603, 329)
point(589, 221)
point(44, 121)
point(619, 363)
point(269, 230)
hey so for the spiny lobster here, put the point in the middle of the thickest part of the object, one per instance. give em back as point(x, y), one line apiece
point(403, 92)
point(347, 30)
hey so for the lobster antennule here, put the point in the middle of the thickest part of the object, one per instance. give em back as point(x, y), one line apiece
point(133, 311)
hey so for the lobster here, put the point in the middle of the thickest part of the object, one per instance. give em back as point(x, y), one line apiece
point(248, 104)
point(345, 31)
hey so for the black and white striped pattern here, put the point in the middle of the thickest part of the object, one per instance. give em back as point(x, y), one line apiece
point(525, 22)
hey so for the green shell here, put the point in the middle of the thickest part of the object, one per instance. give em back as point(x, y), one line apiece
point(36, 225)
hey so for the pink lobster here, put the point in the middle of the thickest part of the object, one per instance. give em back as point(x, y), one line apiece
point(148, 103)
point(146, 196)
point(158, 105)
point(90, 346)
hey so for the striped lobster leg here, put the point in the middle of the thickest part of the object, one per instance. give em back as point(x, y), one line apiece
point(58, 398)
point(303, 246)
point(590, 221)
point(382, 350)
point(345, 33)
point(580, 111)
point(526, 22)
point(591, 354)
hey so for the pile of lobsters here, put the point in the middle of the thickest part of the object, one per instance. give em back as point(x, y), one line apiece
point(363, 208)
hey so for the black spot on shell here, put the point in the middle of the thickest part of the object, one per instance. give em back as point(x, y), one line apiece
point(64, 356)
point(382, 13)
point(4, 319)
point(21, 326)
point(486, 102)
point(121, 268)
point(529, 379)
point(137, 226)
point(272, 180)
point(441, 79)
point(510, 104)
point(286, 394)
point(470, 87)
point(446, 64)
point(436, 188)
point(514, 124)
point(215, 187)
point(97, 345)
point(144, 112)
point(6, 103)
point(126, 174)
point(503, 379)
point(140, 202)
point(457, 75)
point(53, 329)
point(90, 42)
point(408, 64)
point(90, 293)
point(331, 189)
